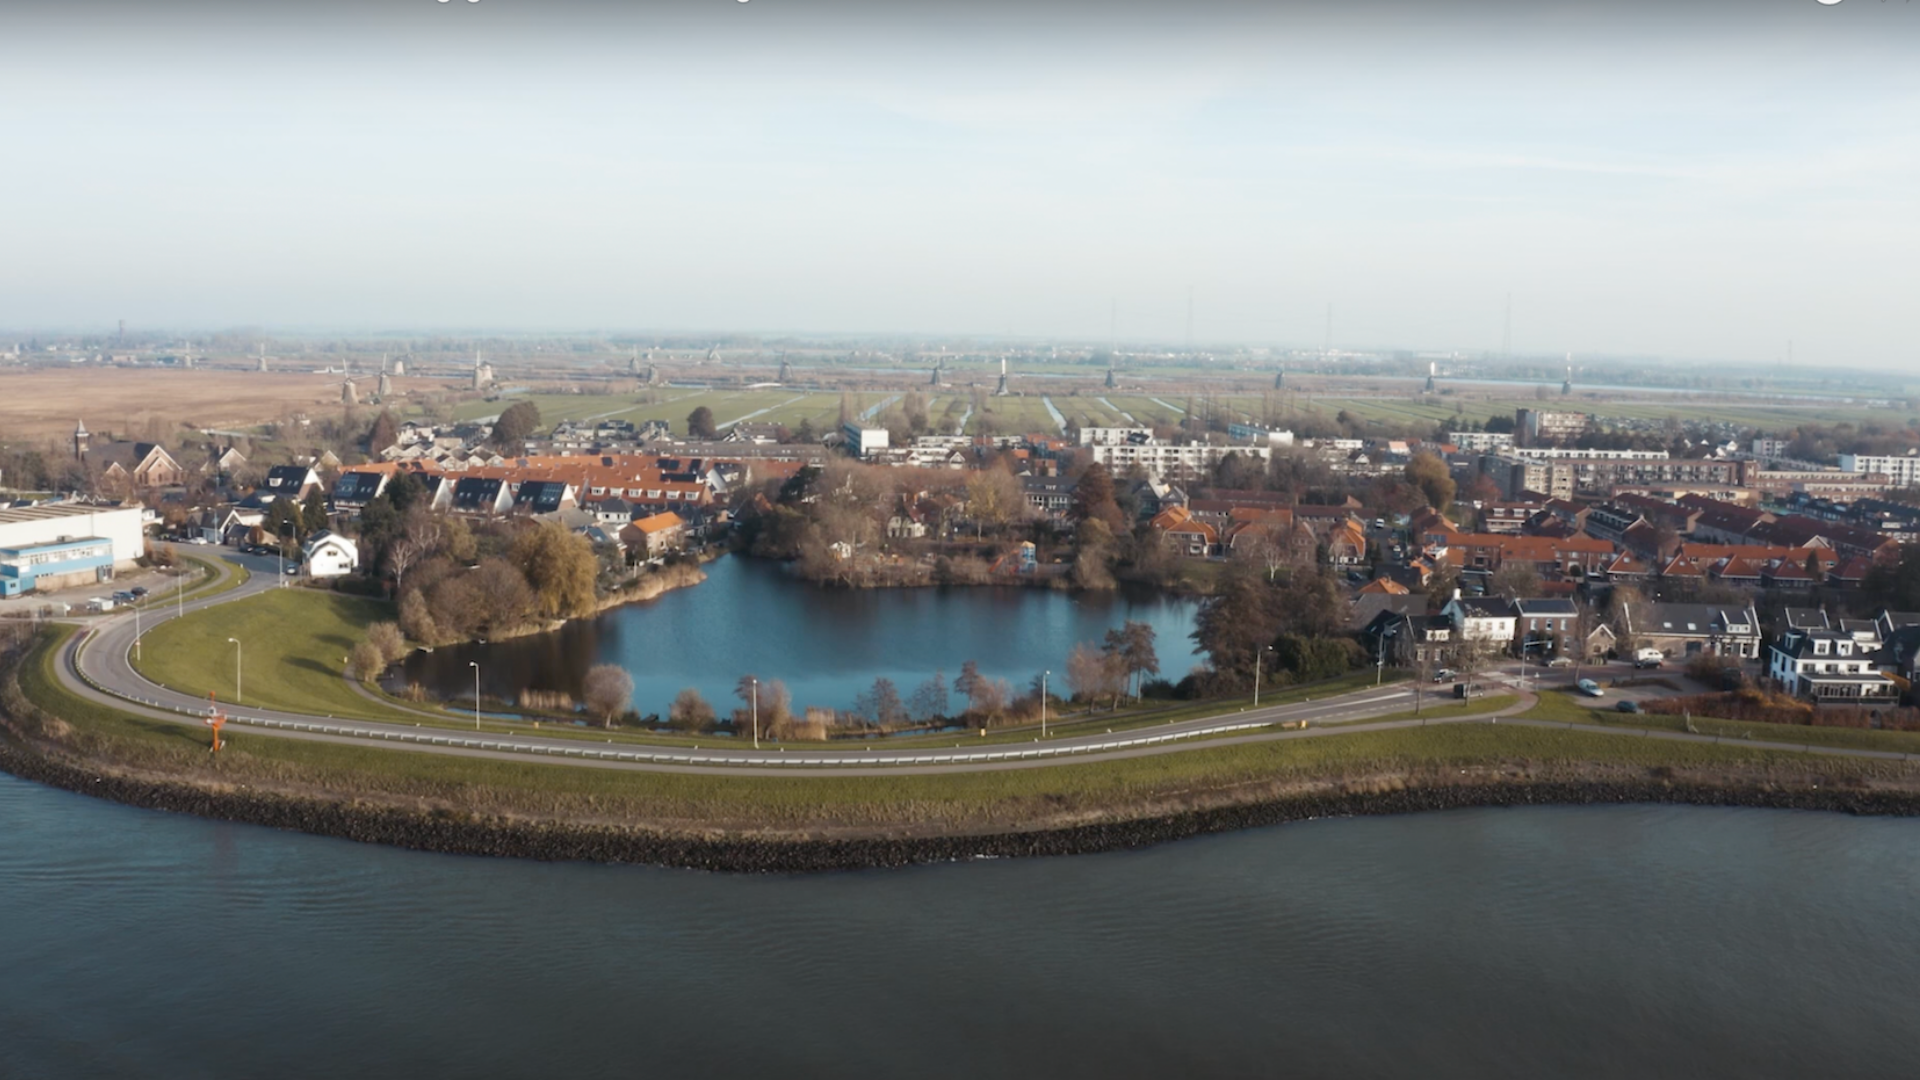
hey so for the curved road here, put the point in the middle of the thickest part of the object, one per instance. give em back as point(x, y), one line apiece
point(97, 666)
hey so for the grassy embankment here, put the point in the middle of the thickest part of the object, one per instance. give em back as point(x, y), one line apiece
point(1568, 706)
point(824, 802)
point(294, 644)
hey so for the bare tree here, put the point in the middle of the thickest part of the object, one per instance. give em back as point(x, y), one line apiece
point(609, 691)
point(419, 536)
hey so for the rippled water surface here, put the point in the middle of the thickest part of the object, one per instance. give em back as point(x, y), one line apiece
point(1618, 942)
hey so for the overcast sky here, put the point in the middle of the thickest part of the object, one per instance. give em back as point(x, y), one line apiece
point(1681, 179)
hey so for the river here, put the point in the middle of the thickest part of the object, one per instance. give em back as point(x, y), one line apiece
point(1563, 942)
point(826, 644)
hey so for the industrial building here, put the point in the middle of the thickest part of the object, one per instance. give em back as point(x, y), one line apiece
point(58, 546)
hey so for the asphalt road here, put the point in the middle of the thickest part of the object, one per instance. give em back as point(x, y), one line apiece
point(98, 666)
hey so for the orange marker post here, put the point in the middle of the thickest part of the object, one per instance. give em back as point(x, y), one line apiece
point(215, 720)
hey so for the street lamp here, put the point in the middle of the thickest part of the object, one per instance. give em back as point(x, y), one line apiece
point(475, 665)
point(1043, 703)
point(756, 712)
point(1258, 654)
point(136, 632)
point(238, 652)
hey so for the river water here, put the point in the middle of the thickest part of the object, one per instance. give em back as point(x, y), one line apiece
point(1570, 942)
point(826, 644)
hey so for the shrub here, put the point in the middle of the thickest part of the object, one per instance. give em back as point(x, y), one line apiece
point(366, 662)
point(690, 711)
point(387, 638)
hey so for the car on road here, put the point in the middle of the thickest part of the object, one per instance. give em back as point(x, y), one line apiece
point(1648, 658)
point(198, 540)
point(123, 598)
point(1590, 688)
point(1443, 674)
point(1560, 662)
point(1628, 706)
point(138, 591)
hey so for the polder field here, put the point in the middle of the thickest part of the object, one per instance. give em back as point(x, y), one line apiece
point(1050, 405)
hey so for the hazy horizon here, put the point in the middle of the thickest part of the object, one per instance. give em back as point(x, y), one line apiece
point(1704, 180)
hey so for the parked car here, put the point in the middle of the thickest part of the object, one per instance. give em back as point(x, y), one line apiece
point(1628, 706)
point(138, 591)
point(200, 540)
point(1648, 658)
point(1560, 662)
point(1443, 674)
point(1590, 688)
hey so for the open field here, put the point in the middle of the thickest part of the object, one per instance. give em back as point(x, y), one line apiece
point(143, 402)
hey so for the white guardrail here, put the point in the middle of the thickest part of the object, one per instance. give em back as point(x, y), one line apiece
point(427, 738)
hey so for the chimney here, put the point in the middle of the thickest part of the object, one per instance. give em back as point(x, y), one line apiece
point(1456, 592)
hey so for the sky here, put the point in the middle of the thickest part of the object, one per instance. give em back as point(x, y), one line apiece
point(1689, 180)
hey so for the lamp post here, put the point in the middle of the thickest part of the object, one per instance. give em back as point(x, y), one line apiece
point(756, 712)
point(1257, 656)
point(136, 632)
point(475, 665)
point(238, 653)
point(1043, 703)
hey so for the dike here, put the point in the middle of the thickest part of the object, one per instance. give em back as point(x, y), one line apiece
point(453, 833)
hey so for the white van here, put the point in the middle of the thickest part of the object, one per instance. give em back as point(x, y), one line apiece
point(1648, 658)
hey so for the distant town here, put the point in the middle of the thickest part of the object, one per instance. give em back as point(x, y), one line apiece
point(1577, 527)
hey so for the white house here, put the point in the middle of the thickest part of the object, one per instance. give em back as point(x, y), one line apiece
point(1481, 618)
point(1829, 666)
point(328, 554)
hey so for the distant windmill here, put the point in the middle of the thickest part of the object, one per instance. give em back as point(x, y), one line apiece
point(1567, 387)
point(1003, 389)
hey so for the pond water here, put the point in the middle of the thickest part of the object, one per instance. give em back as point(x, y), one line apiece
point(827, 644)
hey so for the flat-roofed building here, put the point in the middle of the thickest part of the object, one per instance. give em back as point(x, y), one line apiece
point(57, 546)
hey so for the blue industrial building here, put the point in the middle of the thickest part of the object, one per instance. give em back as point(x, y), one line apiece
point(57, 565)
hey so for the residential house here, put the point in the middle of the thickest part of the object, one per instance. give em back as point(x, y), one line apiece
point(542, 497)
point(654, 535)
point(1050, 496)
point(1679, 630)
point(327, 554)
point(485, 495)
point(1829, 667)
point(1177, 527)
point(356, 488)
point(1545, 624)
point(1487, 619)
point(290, 482)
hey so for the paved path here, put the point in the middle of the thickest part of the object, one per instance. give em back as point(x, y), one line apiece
point(96, 666)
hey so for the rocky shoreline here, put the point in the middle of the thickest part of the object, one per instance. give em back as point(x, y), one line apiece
point(450, 832)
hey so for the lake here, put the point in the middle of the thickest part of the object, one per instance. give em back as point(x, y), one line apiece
point(827, 644)
point(1561, 942)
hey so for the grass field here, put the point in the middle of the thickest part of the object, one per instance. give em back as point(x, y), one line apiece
point(958, 799)
point(294, 644)
point(1566, 706)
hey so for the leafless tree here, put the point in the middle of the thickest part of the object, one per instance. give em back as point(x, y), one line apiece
point(609, 691)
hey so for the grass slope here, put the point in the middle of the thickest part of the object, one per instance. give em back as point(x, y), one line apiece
point(294, 644)
point(954, 799)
